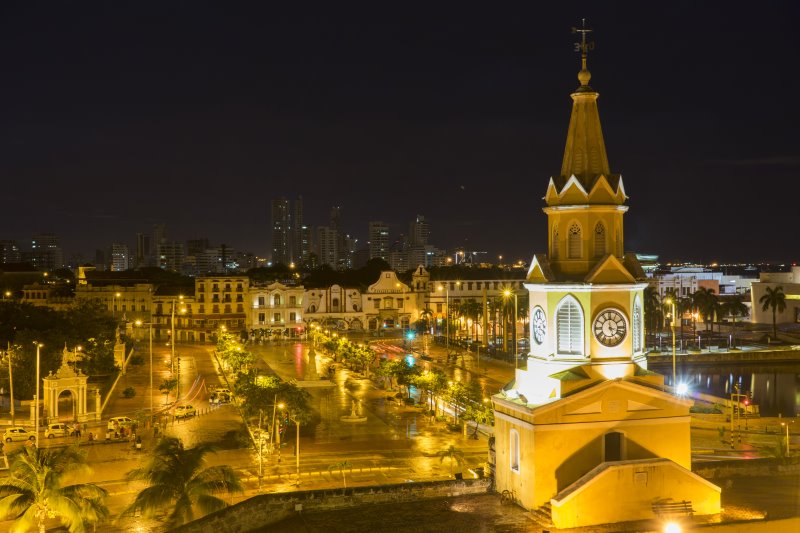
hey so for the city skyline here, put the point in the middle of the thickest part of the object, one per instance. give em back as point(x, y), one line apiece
point(121, 118)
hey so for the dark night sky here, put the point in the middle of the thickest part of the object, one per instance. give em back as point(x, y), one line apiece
point(117, 115)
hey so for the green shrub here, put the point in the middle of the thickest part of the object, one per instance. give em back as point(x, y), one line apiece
point(130, 392)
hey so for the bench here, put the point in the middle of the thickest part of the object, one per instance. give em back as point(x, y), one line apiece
point(667, 508)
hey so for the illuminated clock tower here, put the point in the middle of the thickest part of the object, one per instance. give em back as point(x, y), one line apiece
point(586, 301)
point(586, 434)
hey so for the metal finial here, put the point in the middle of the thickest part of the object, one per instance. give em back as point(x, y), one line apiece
point(584, 46)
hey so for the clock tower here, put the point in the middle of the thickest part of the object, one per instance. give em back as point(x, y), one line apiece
point(586, 293)
point(586, 433)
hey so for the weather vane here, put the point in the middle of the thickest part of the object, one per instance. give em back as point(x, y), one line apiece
point(583, 47)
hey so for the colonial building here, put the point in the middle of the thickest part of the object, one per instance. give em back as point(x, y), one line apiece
point(275, 310)
point(335, 307)
point(587, 433)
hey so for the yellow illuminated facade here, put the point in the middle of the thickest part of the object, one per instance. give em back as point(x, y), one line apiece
point(586, 419)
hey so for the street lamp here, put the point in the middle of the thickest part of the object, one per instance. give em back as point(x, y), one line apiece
point(10, 385)
point(172, 344)
point(786, 425)
point(36, 416)
point(508, 293)
point(114, 303)
point(446, 288)
point(671, 302)
point(140, 323)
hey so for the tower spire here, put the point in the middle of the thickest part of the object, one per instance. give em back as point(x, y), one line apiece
point(585, 152)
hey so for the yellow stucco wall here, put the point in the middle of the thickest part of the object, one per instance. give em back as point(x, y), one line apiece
point(562, 441)
point(627, 492)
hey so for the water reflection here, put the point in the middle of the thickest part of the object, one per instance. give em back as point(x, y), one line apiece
point(775, 389)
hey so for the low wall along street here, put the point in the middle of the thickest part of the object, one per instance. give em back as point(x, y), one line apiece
point(266, 509)
point(749, 468)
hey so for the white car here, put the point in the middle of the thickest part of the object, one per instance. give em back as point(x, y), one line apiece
point(16, 434)
point(185, 411)
point(119, 422)
point(58, 430)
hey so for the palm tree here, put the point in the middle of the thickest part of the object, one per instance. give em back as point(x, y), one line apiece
point(471, 310)
point(33, 492)
point(704, 301)
point(453, 454)
point(178, 484)
point(341, 468)
point(775, 299)
point(733, 307)
point(651, 307)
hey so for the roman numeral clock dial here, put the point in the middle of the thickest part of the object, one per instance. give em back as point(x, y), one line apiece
point(610, 327)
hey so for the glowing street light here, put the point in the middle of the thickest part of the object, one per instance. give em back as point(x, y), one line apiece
point(140, 323)
point(39, 345)
point(671, 302)
point(784, 424)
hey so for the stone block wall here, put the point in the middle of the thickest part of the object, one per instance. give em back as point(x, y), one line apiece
point(266, 509)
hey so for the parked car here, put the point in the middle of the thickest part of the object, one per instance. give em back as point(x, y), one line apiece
point(117, 422)
point(185, 411)
point(59, 430)
point(219, 397)
point(16, 434)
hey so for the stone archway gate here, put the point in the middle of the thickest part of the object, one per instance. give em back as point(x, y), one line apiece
point(65, 379)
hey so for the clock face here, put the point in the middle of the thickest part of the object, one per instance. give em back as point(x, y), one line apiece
point(539, 325)
point(610, 327)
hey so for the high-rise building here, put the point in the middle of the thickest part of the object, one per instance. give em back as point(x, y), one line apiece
point(378, 240)
point(144, 250)
point(120, 257)
point(46, 253)
point(418, 231)
point(170, 255)
point(197, 246)
point(281, 231)
point(9, 252)
point(328, 244)
point(301, 247)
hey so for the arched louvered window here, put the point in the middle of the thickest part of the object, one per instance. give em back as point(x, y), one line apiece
point(574, 241)
point(599, 240)
point(569, 327)
point(554, 246)
point(637, 325)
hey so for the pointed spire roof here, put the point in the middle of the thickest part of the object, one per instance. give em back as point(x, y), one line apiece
point(585, 152)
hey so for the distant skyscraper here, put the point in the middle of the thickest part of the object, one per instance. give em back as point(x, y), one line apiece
point(197, 246)
point(378, 240)
point(328, 243)
point(9, 252)
point(170, 255)
point(119, 257)
point(419, 231)
point(144, 250)
point(302, 235)
point(281, 231)
point(46, 253)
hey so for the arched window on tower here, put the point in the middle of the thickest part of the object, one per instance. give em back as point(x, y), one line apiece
point(637, 325)
point(599, 240)
point(554, 246)
point(569, 327)
point(574, 241)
